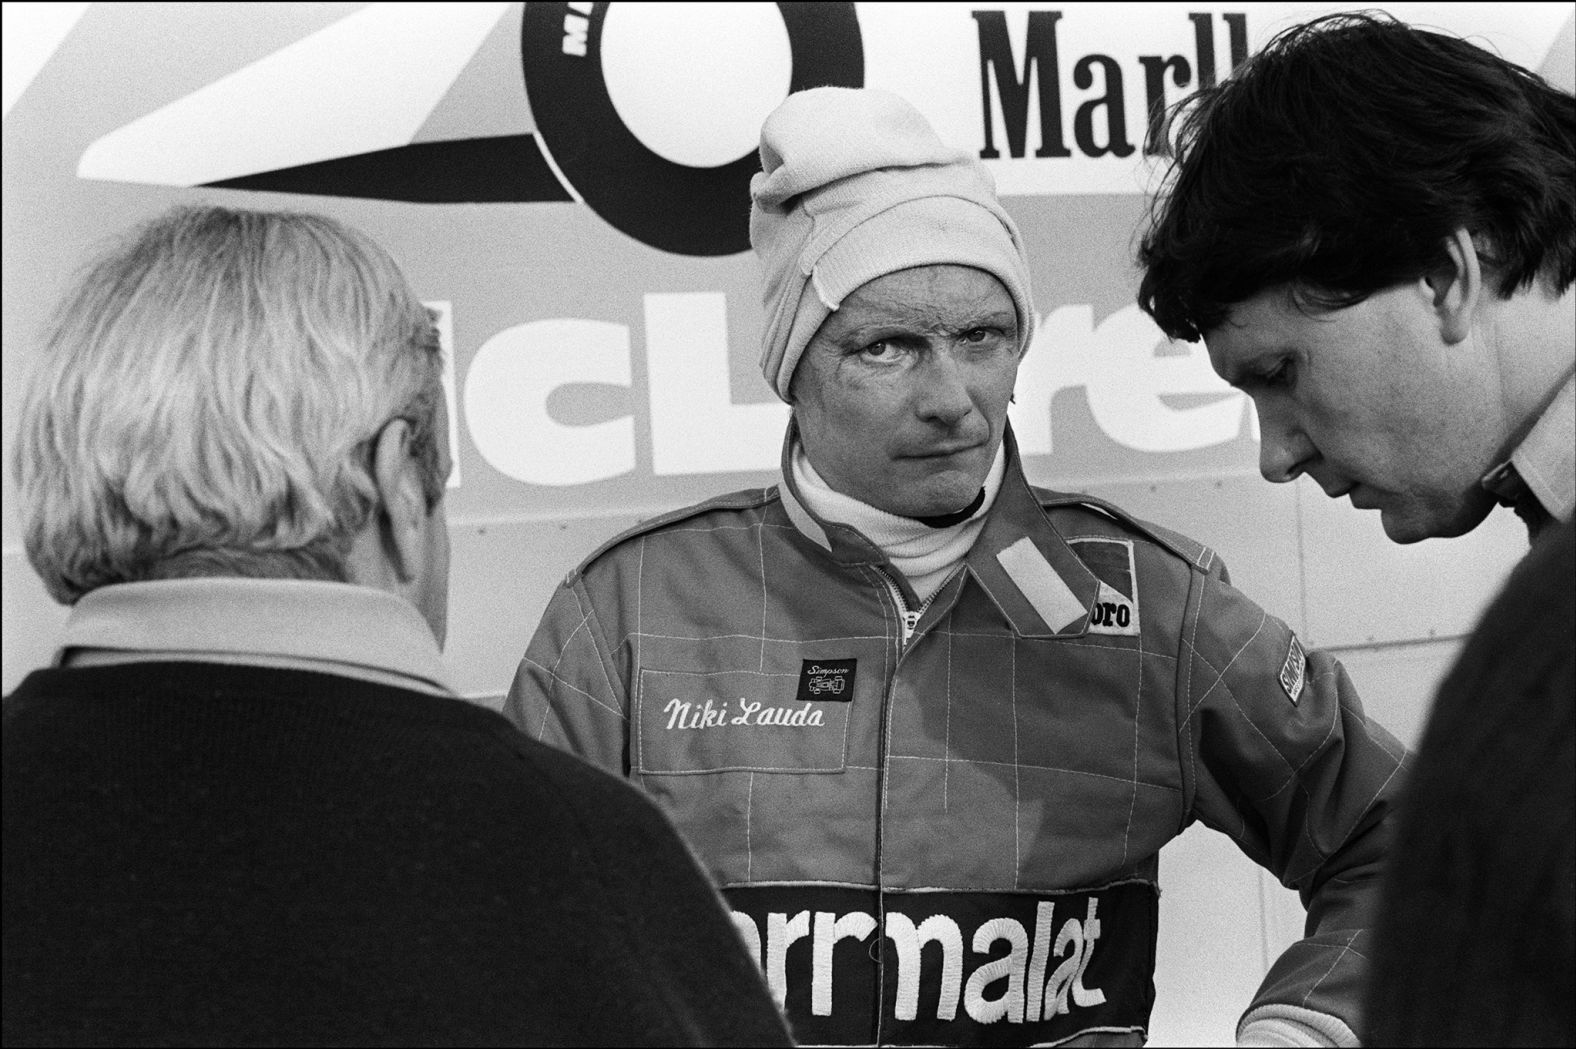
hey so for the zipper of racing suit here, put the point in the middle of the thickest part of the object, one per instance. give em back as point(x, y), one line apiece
point(910, 621)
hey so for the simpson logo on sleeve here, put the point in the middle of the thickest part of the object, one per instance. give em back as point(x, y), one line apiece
point(1292, 671)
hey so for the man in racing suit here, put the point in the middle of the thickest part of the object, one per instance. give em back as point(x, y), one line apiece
point(930, 746)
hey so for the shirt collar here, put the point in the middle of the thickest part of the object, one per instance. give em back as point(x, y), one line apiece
point(1543, 466)
point(336, 628)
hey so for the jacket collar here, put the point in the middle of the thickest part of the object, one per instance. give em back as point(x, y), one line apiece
point(1020, 560)
point(1025, 565)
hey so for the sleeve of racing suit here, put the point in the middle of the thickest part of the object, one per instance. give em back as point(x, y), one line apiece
point(567, 691)
point(1277, 753)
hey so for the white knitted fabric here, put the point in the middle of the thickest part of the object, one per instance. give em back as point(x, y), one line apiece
point(926, 556)
point(854, 184)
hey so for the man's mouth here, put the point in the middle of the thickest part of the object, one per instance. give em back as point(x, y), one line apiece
point(1363, 498)
point(944, 451)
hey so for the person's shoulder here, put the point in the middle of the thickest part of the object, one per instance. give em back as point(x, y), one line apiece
point(1078, 516)
point(610, 807)
point(480, 737)
point(716, 514)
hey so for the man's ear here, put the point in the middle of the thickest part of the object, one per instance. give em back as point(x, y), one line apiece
point(402, 504)
point(1456, 287)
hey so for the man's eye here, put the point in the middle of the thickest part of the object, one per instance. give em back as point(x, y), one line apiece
point(880, 350)
point(987, 336)
point(1280, 377)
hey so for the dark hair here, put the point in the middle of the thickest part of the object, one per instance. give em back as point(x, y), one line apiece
point(1340, 159)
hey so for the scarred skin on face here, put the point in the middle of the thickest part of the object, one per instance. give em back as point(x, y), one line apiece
point(901, 397)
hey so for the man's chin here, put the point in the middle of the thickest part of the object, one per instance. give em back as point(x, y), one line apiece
point(1412, 524)
point(938, 501)
point(1402, 529)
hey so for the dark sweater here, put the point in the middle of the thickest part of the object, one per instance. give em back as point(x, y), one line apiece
point(202, 854)
point(1476, 943)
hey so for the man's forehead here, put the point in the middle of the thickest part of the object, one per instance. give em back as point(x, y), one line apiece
point(1232, 348)
point(1253, 327)
point(917, 280)
point(925, 294)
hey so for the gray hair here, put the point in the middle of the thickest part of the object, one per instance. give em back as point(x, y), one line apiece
point(207, 397)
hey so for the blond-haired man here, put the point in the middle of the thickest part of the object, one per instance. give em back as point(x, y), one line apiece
point(244, 807)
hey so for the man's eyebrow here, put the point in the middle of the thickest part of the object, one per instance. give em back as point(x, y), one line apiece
point(1243, 374)
point(1002, 317)
point(898, 328)
point(871, 330)
point(987, 313)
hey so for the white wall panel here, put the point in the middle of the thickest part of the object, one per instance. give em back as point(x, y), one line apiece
point(504, 572)
point(1210, 954)
point(32, 620)
point(1363, 590)
point(1253, 526)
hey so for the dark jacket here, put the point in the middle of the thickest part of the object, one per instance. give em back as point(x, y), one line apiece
point(198, 854)
point(1477, 944)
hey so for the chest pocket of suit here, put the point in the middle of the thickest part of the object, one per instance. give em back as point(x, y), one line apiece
point(734, 720)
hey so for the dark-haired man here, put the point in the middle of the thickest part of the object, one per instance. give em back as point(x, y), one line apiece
point(1373, 227)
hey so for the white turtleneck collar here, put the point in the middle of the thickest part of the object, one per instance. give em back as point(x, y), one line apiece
point(926, 556)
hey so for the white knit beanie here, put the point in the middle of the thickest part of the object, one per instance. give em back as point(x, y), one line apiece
point(854, 184)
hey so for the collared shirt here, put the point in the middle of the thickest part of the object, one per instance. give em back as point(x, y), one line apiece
point(1543, 466)
point(332, 628)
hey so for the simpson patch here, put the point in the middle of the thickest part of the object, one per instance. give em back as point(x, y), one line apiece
point(1294, 671)
point(827, 680)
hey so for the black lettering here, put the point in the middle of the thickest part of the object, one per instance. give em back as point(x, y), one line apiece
point(1040, 60)
point(1115, 109)
point(1155, 69)
point(1124, 615)
point(1238, 25)
point(1204, 48)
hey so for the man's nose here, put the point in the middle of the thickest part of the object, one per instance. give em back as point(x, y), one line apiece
point(943, 396)
point(1283, 450)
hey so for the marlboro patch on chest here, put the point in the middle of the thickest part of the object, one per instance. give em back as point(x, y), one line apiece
point(827, 680)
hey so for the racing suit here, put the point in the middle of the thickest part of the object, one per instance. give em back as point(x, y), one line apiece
point(938, 823)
